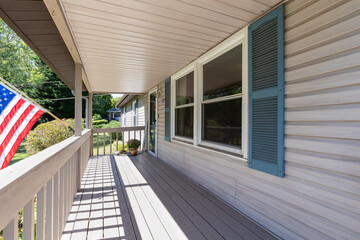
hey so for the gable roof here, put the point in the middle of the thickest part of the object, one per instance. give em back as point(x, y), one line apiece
point(125, 99)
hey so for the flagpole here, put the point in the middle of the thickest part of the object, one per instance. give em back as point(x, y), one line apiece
point(33, 101)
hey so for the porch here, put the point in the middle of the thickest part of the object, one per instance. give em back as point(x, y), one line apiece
point(142, 197)
point(66, 193)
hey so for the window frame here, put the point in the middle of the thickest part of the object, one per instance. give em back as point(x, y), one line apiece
point(174, 78)
point(134, 120)
point(235, 40)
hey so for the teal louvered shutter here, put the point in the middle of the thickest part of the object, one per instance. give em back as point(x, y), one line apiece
point(266, 93)
point(167, 109)
point(137, 103)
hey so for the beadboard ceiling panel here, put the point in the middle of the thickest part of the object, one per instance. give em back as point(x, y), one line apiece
point(130, 46)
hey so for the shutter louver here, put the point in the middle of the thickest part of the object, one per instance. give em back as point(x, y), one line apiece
point(167, 109)
point(266, 93)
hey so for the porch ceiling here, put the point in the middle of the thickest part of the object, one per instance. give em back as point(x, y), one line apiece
point(130, 46)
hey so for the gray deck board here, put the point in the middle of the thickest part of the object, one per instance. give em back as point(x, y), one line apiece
point(141, 197)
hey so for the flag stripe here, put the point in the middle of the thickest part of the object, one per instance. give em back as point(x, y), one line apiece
point(12, 122)
point(15, 127)
point(12, 112)
point(25, 130)
point(8, 108)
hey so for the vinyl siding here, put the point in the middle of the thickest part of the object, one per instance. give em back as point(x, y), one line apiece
point(141, 111)
point(319, 198)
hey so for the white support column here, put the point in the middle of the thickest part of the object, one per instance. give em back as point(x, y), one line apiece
point(90, 111)
point(78, 99)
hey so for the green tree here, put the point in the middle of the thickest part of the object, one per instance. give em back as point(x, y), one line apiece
point(19, 64)
point(114, 101)
point(101, 104)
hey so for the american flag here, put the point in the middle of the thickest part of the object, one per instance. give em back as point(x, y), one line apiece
point(17, 117)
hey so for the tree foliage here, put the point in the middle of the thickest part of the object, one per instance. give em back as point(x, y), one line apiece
point(19, 64)
point(114, 101)
point(101, 104)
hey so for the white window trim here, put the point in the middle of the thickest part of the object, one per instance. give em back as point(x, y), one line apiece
point(153, 90)
point(188, 69)
point(239, 37)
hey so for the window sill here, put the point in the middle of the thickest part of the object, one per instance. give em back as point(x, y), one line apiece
point(212, 151)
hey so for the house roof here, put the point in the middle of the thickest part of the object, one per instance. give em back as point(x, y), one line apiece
point(125, 99)
point(114, 110)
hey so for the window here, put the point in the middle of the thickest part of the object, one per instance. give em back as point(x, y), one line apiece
point(184, 106)
point(134, 113)
point(221, 101)
point(209, 98)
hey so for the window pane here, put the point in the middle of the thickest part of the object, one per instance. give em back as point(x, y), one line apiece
point(185, 89)
point(221, 122)
point(223, 75)
point(184, 121)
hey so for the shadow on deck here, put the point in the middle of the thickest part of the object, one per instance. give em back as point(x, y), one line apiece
point(143, 198)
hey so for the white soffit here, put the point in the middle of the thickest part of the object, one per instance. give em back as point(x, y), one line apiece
point(129, 46)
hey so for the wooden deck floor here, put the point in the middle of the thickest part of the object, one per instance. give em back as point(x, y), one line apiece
point(143, 198)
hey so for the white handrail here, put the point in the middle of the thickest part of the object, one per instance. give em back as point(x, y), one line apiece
point(137, 132)
point(20, 182)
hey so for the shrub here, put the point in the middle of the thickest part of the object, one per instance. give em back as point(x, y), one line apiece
point(96, 116)
point(47, 134)
point(133, 143)
point(99, 123)
point(113, 124)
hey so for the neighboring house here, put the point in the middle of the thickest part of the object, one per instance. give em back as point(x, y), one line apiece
point(261, 109)
point(114, 114)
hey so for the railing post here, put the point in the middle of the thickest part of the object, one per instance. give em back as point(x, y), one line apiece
point(90, 106)
point(78, 99)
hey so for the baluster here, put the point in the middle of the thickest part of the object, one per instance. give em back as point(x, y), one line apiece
point(56, 207)
point(40, 214)
point(28, 220)
point(97, 142)
point(11, 230)
point(110, 142)
point(68, 188)
point(104, 144)
point(140, 142)
point(91, 146)
point(49, 209)
point(117, 138)
point(122, 136)
point(61, 201)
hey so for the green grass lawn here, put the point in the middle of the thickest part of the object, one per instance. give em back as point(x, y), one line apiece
point(20, 154)
point(107, 144)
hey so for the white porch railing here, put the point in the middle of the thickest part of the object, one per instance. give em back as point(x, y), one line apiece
point(107, 145)
point(53, 175)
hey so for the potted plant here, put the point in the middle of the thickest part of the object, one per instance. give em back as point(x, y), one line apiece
point(133, 145)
